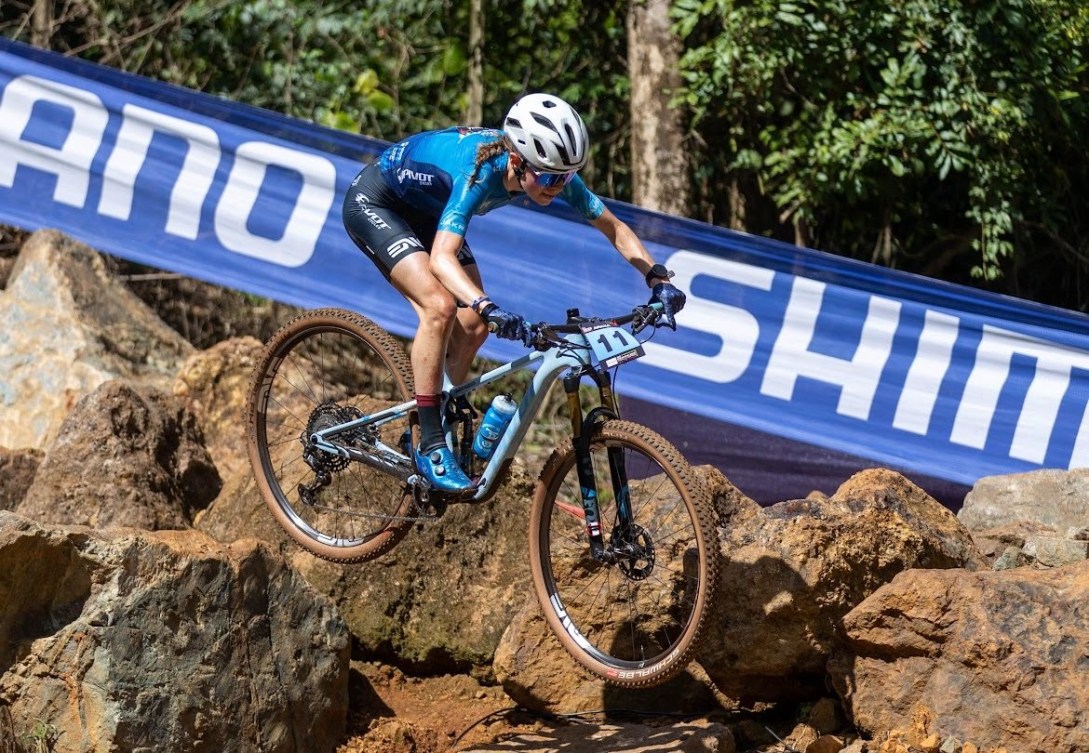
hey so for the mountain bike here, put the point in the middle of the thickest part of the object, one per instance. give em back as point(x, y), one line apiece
point(622, 550)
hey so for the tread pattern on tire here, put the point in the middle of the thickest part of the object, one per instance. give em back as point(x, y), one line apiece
point(399, 362)
point(555, 469)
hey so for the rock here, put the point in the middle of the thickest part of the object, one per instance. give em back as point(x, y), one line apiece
point(439, 601)
point(710, 738)
point(801, 737)
point(537, 673)
point(213, 383)
point(729, 503)
point(999, 658)
point(950, 745)
point(125, 456)
point(826, 716)
point(68, 327)
point(1054, 498)
point(826, 744)
point(992, 542)
point(793, 570)
point(1051, 551)
point(17, 469)
point(239, 512)
point(1012, 557)
point(131, 640)
point(754, 733)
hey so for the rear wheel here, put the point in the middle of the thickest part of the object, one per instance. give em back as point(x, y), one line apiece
point(633, 618)
point(321, 369)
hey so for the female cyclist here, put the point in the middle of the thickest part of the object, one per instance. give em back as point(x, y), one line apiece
point(409, 210)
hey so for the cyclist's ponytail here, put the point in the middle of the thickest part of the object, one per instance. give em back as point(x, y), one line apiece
point(485, 152)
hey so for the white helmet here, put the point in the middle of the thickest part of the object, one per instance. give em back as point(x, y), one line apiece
point(548, 133)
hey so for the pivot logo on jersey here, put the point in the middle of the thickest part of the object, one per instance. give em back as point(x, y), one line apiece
point(405, 244)
point(424, 179)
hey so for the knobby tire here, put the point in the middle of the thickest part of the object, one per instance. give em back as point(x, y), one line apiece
point(636, 622)
point(323, 368)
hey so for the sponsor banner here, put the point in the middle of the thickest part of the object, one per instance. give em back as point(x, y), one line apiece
point(908, 372)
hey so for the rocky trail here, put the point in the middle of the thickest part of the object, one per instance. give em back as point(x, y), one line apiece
point(149, 601)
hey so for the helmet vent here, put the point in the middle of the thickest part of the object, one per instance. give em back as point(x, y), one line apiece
point(548, 133)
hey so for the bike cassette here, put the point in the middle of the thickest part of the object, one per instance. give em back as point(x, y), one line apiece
point(325, 416)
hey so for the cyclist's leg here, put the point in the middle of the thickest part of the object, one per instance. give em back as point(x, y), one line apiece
point(395, 248)
point(393, 245)
point(468, 335)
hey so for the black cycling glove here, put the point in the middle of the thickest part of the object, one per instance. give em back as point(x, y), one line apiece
point(505, 324)
point(672, 301)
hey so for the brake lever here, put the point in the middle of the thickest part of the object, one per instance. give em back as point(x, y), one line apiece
point(644, 317)
point(543, 339)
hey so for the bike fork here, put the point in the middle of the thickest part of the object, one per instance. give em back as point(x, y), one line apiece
point(581, 429)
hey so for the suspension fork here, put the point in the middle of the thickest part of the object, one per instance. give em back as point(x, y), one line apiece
point(581, 431)
point(618, 471)
point(584, 465)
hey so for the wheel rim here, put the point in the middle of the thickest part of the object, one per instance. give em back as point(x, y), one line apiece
point(636, 611)
point(322, 372)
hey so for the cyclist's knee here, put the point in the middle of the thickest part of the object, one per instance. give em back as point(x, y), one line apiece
point(440, 307)
point(475, 329)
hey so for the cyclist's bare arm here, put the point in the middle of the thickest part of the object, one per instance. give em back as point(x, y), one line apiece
point(624, 240)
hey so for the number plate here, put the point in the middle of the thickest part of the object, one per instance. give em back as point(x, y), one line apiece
point(613, 345)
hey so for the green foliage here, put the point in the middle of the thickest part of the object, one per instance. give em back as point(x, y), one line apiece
point(938, 136)
point(42, 737)
point(385, 68)
point(894, 131)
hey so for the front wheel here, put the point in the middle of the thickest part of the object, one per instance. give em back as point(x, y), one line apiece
point(632, 616)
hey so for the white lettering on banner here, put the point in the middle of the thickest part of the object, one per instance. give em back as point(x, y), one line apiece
point(714, 318)
point(858, 377)
point(130, 154)
point(71, 162)
point(1045, 394)
point(300, 237)
point(915, 407)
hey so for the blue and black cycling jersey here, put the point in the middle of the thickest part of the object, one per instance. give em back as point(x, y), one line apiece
point(430, 174)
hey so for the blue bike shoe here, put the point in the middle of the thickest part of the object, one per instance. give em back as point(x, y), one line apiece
point(442, 470)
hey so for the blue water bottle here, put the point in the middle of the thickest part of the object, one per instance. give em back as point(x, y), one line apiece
point(492, 426)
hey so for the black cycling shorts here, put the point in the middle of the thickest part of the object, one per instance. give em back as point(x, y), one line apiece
point(384, 227)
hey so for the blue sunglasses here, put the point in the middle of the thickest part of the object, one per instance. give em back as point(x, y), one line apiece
point(548, 180)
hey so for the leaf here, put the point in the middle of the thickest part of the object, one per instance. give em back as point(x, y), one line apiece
point(366, 82)
point(380, 101)
point(454, 60)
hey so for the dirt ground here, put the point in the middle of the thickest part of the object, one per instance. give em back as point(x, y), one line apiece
point(395, 713)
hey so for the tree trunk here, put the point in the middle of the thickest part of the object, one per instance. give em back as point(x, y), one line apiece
point(659, 159)
point(475, 114)
point(41, 23)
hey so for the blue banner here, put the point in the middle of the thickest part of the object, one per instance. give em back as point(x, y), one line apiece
point(907, 371)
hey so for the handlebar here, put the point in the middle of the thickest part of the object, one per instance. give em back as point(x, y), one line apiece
point(545, 335)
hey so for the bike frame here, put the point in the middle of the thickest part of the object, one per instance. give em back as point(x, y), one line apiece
point(575, 357)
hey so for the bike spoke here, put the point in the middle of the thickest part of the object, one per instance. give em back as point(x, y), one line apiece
point(321, 371)
point(634, 612)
